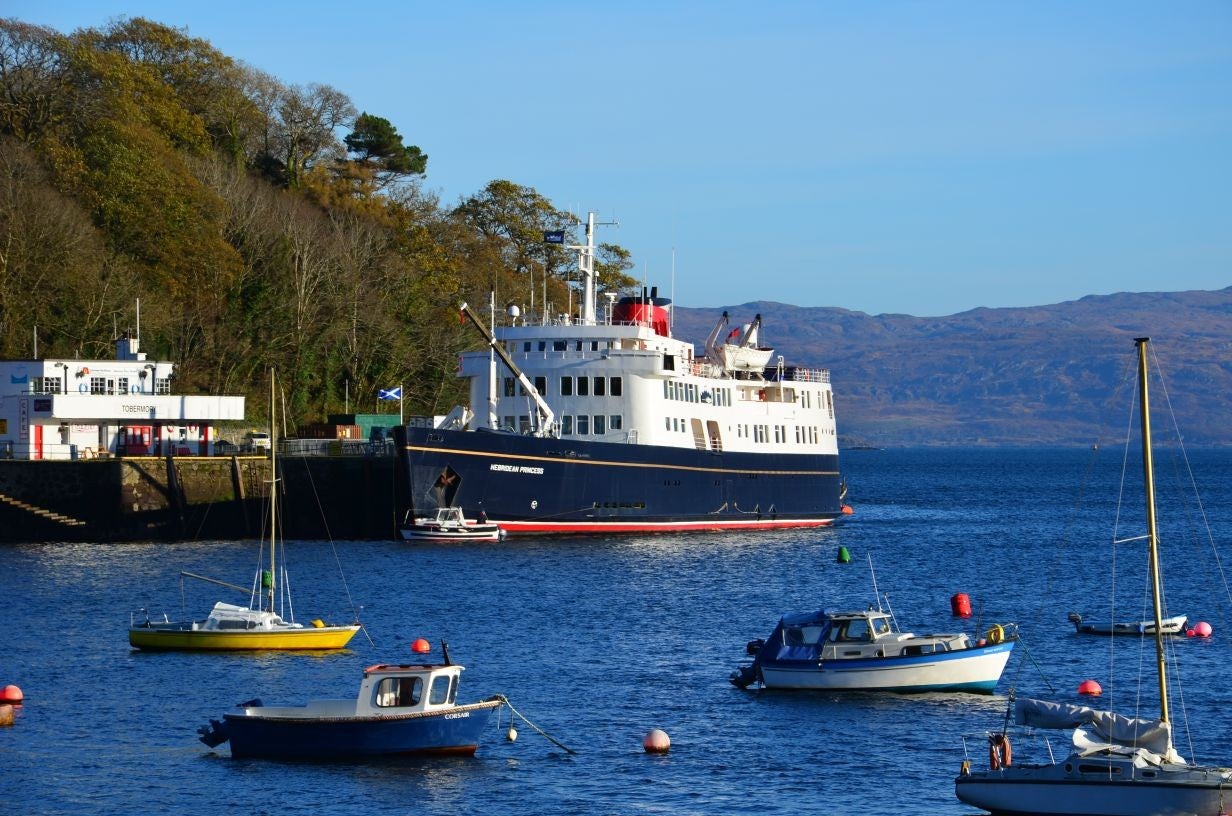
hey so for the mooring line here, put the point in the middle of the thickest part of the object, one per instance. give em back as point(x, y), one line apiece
point(552, 739)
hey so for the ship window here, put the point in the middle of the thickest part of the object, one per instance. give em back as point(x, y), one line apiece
point(453, 689)
point(578, 346)
point(399, 691)
point(594, 345)
point(669, 421)
point(566, 425)
point(541, 385)
point(1098, 769)
point(526, 347)
point(566, 386)
point(543, 345)
point(509, 423)
point(559, 345)
point(440, 690)
point(122, 385)
point(614, 422)
point(616, 387)
point(524, 424)
point(600, 387)
point(583, 425)
point(509, 392)
point(600, 424)
point(583, 386)
point(98, 385)
point(669, 362)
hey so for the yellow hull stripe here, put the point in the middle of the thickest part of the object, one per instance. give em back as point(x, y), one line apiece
point(330, 638)
point(562, 460)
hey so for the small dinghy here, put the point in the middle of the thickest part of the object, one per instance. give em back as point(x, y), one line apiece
point(1168, 626)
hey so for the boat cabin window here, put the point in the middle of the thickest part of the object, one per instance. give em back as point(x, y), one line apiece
point(399, 692)
point(440, 690)
point(802, 635)
point(851, 630)
point(881, 626)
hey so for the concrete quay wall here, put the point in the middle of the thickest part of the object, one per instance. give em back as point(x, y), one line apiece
point(186, 498)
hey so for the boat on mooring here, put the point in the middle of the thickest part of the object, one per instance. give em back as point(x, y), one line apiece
point(400, 710)
point(267, 622)
point(448, 524)
point(864, 651)
point(1119, 764)
point(614, 425)
point(1174, 625)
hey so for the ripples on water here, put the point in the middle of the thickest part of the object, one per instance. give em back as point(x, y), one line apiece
point(598, 641)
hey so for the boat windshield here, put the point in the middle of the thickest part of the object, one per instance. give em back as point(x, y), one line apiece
point(399, 691)
point(803, 635)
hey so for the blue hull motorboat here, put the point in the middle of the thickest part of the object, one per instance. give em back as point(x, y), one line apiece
point(401, 710)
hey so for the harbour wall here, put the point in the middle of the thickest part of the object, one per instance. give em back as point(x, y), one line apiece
point(187, 498)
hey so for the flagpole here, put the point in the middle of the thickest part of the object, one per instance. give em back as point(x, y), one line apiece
point(399, 403)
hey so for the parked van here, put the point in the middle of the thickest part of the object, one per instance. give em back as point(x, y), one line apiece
point(257, 440)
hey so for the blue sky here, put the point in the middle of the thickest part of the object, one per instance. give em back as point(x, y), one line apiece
point(886, 157)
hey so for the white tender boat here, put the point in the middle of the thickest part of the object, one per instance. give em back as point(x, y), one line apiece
point(448, 524)
point(1174, 625)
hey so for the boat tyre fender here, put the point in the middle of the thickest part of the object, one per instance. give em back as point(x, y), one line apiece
point(996, 634)
point(1000, 753)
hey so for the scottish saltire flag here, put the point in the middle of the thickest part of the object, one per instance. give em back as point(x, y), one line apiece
point(554, 237)
point(390, 393)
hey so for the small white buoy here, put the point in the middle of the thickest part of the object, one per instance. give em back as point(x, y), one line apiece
point(656, 742)
point(511, 734)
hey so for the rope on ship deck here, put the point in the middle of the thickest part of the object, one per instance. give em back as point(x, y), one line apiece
point(549, 737)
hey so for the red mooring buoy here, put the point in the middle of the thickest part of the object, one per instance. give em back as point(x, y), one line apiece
point(421, 646)
point(1202, 629)
point(11, 694)
point(1090, 687)
point(960, 605)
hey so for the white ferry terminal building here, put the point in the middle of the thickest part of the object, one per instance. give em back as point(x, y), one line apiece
point(70, 409)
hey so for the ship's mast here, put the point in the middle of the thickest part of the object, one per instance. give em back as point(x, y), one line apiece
point(586, 263)
point(1152, 539)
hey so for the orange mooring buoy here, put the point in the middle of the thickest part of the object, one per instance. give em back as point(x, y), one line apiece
point(11, 694)
point(1090, 687)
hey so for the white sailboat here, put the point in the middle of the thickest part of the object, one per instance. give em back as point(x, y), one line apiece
point(1119, 765)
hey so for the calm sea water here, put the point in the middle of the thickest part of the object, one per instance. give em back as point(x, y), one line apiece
point(599, 640)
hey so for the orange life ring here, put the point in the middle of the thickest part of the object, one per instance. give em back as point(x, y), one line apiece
point(1000, 753)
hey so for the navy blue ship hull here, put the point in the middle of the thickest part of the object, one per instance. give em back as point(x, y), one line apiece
point(535, 485)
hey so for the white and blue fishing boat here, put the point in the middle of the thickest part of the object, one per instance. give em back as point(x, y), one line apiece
point(604, 422)
point(401, 710)
point(864, 651)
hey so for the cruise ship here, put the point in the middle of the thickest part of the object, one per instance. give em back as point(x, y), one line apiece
point(606, 423)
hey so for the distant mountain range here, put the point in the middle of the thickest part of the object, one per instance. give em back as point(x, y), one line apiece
point(1037, 376)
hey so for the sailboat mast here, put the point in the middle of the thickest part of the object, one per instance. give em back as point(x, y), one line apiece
point(273, 497)
point(1148, 476)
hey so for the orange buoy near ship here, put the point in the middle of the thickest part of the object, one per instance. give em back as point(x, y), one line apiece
point(11, 694)
point(960, 605)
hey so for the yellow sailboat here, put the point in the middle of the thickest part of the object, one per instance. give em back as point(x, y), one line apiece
point(231, 627)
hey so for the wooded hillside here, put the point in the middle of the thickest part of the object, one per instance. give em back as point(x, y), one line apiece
point(259, 224)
